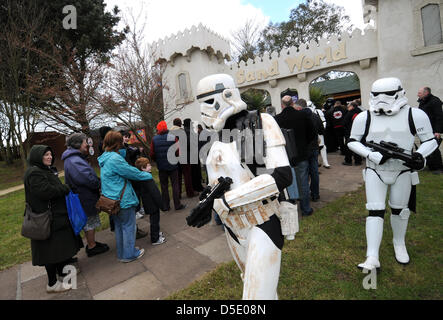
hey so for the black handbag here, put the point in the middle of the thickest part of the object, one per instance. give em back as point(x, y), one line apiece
point(37, 226)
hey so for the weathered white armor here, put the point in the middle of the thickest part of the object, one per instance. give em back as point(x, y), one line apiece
point(390, 121)
point(252, 200)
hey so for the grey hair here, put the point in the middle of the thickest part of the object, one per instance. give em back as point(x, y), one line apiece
point(75, 140)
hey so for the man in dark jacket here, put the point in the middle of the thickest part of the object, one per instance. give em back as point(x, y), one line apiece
point(432, 105)
point(186, 167)
point(159, 153)
point(83, 180)
point(313, 149)
point(304, 132)
point(353, 111)
point(335, 117)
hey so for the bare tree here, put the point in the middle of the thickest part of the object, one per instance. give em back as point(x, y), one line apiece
point(134, 87)
point(245, 40)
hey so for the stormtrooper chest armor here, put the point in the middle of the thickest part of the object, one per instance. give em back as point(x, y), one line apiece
point(227, 159)
point(394, 129)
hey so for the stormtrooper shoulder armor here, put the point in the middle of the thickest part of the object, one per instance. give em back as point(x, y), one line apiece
point(424, 131)
point(422, 124)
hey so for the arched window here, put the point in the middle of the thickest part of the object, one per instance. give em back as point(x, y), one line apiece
point(183, 86)
point(430, 16)
point(184, 91)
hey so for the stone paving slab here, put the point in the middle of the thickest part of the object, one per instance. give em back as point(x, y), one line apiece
point(217, 249)
point(35, 289)
point(195, 237)
point(178, 266)
point(105, 271)
point(144, 286)
point(29, 272)
point(8, 283)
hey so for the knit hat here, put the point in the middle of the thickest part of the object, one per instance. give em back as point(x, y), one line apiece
point(162, 126)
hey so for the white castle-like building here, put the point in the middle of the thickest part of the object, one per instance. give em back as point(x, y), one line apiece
point(404, 40)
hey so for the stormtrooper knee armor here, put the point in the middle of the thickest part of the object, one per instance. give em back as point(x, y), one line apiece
point(389, 119)
point(250, 210)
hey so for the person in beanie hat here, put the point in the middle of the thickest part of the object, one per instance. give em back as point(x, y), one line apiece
point(159, 153)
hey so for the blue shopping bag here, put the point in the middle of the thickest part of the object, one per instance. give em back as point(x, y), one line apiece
point(76, 214)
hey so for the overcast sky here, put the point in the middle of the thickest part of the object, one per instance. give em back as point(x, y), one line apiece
point(166, 17)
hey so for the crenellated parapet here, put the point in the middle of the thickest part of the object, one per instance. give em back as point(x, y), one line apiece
point(357, 46)
point(184, 43)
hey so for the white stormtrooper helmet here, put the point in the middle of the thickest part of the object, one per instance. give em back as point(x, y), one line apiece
point(387, 96)
point(219, 99)
point(311, 105)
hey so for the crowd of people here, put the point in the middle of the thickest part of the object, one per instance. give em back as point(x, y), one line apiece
point(125, 174)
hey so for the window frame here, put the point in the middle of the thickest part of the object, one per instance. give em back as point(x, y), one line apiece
point(190, 97)
point(420, 47)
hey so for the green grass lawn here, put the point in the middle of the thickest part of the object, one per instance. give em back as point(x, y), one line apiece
point(321, 262)
point(11, 175)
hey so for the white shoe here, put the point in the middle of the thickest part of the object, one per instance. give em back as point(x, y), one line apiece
point(399, 225)
point(161, 240)
point(142, 252)
point(58, 287)
point(138, 216)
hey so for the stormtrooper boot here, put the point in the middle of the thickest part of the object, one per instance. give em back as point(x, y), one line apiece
point(399, 225)
point(374, 234)
point(324, 157)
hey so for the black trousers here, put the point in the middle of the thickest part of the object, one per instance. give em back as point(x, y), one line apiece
point(340, 136)
point(164, 177)
point(154, 221)
point(349, 154)
point(434, 161)
point(53, 270)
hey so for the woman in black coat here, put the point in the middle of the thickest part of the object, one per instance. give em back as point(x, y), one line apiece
point(43, 188)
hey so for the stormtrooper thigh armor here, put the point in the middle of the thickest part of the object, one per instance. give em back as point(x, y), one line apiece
point(389, 119)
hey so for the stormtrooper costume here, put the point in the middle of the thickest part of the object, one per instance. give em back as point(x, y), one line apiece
point(323, 151)
point(390, 119)
point(256, 222)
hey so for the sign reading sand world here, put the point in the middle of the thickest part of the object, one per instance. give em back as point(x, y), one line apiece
point(295, 64)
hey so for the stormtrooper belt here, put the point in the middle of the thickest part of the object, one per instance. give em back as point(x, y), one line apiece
point(251, 214)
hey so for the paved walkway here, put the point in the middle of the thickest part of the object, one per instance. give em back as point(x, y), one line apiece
point(187, 255)
point(20, 187)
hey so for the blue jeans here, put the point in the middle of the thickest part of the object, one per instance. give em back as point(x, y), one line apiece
point(125, 228)
point(313, 173)
point(293, 188)
point(302, 174)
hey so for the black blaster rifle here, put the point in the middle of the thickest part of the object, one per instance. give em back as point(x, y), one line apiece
point(392, 150)
point(202, 214)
